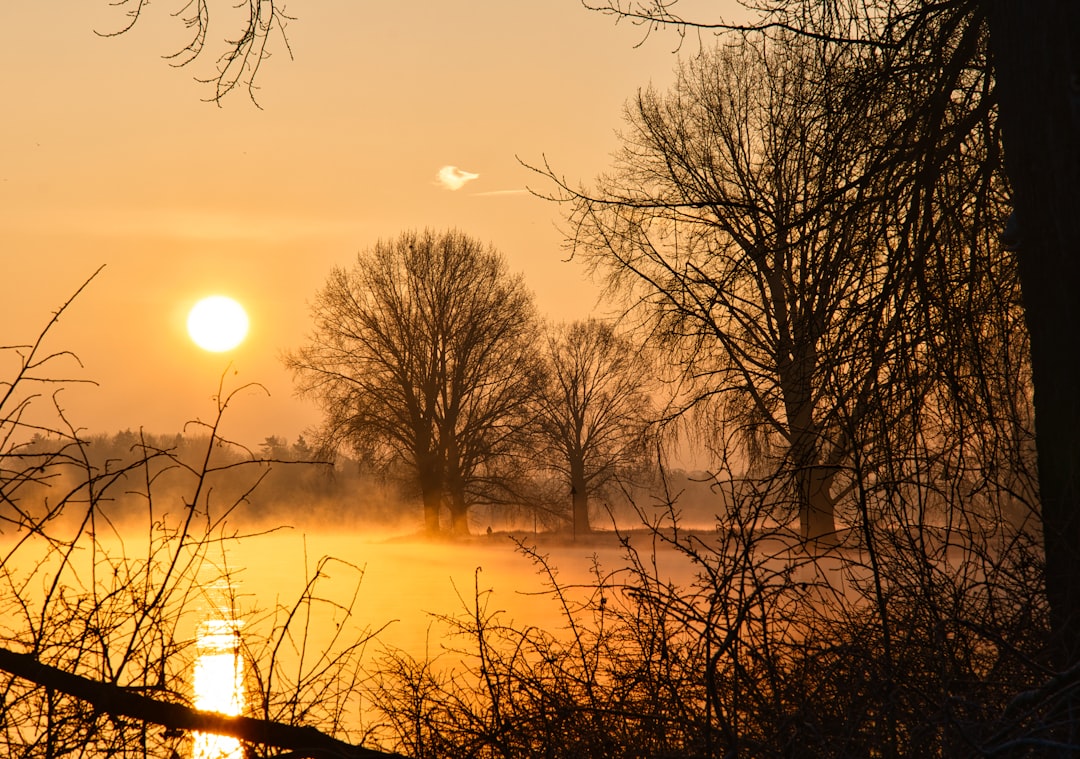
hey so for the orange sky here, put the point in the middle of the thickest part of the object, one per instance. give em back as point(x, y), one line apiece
point(109, 156)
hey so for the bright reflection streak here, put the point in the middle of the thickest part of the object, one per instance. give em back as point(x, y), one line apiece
point(218, 682)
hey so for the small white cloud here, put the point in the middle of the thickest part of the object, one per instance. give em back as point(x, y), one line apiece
point(453, 178)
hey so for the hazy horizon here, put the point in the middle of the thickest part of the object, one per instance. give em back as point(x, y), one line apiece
point(113, 159)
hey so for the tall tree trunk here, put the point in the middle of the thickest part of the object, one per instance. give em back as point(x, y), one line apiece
point(817, 508)
point(1036, 52)
point(813, 481)
point(455, 488)
point(432, 507)
point(431, 490)
point(579, 497)
point(459, 513)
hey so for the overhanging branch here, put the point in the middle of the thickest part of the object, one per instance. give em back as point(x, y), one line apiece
point(111, 699)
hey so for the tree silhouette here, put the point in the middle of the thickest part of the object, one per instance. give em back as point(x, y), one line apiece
point(422, 352)
point(1024, 59)
point(747, 221)
point(593, 411)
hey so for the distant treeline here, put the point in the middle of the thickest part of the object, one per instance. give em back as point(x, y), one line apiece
point(286, 483)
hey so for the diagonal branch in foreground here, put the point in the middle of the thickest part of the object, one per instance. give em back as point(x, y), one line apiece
point(111, 699)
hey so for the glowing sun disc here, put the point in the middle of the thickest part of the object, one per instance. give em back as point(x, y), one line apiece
point(217, 323)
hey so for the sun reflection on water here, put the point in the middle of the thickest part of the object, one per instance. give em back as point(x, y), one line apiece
point(218, 681)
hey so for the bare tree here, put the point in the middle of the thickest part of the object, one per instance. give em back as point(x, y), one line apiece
point(594, 410)
point(1018, 63)
point(735, 218)
point(1023, 58)
point(422, 354)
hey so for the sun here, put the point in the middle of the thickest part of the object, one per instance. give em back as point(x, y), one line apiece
point(217, 323)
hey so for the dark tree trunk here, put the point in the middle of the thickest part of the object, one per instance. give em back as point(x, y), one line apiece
point(431, 490)
point(1036, 52)
point(459, 514)
point(432, 506)
point(579, 497)
point(812, 481)
point(817, 508)
point(455, 487)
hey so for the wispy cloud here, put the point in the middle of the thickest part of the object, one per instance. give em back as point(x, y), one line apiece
point(453, 178)
point(501, 192)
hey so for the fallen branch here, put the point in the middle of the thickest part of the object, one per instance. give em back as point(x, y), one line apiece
point(304, 742)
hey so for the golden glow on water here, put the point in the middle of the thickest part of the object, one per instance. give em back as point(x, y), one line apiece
point(218, 682)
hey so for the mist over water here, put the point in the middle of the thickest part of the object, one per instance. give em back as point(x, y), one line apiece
point(321, 580)
point(407, 584)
